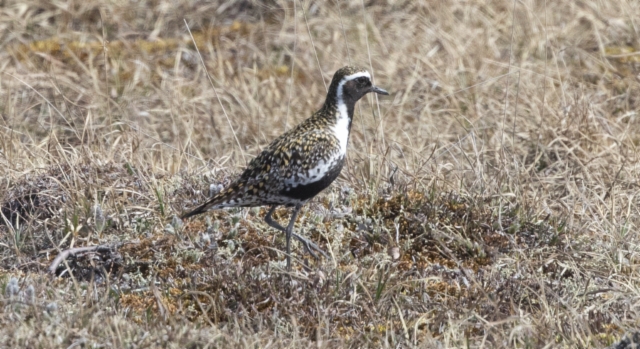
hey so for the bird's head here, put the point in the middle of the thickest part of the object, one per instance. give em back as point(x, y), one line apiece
point(351, 83)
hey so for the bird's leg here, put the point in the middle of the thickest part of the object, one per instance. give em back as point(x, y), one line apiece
point(289, 231)
point(269, 220)
point(308, 245)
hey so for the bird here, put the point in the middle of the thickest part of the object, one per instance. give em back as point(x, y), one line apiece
point(301, 162)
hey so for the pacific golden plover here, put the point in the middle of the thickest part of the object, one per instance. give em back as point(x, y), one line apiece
point(302, 162)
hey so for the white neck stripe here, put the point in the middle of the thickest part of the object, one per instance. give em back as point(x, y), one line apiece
point(341, 127)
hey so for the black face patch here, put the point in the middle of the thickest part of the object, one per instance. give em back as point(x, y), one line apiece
point(356, 88)
point(363, 81)
point(349, 87)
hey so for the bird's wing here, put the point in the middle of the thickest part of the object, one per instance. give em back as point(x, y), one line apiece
point(286, 161)
point(291, 160)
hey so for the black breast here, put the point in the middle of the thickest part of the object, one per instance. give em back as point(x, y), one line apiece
point(307, 191)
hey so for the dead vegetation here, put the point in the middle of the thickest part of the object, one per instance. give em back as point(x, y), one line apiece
point(490, 202)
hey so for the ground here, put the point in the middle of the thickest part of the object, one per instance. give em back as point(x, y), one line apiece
point(489, 202)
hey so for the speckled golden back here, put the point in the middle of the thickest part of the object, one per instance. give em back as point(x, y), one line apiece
point(282, 164)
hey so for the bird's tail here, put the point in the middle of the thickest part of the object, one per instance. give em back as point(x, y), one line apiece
point(198, 210)
point(217, 201)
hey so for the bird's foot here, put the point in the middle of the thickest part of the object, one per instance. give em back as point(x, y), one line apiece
point(310, 246)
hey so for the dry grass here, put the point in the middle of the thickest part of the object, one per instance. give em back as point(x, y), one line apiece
point(490, 202)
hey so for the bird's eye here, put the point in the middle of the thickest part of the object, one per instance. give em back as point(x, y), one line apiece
point(362, 80)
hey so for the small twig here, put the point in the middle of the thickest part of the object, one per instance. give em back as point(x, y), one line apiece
point(344, 32)
point(506, 89)
point(404, 324)
point(15, 301)
point(313, 46)
point(105, 48)
point(71, 252)
point(614, 181)
point(205, 313)
point(375, 95)
point(293, 64)
point(213, 87)
point(156, 294)
point(602, 290)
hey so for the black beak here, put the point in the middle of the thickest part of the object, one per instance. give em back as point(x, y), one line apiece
point(379, 91)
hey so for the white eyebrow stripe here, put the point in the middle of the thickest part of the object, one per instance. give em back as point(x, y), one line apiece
point(355, 76)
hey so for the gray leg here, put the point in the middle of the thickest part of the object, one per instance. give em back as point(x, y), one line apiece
point(289, 231)
point(308, 245)
point(271, 222)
